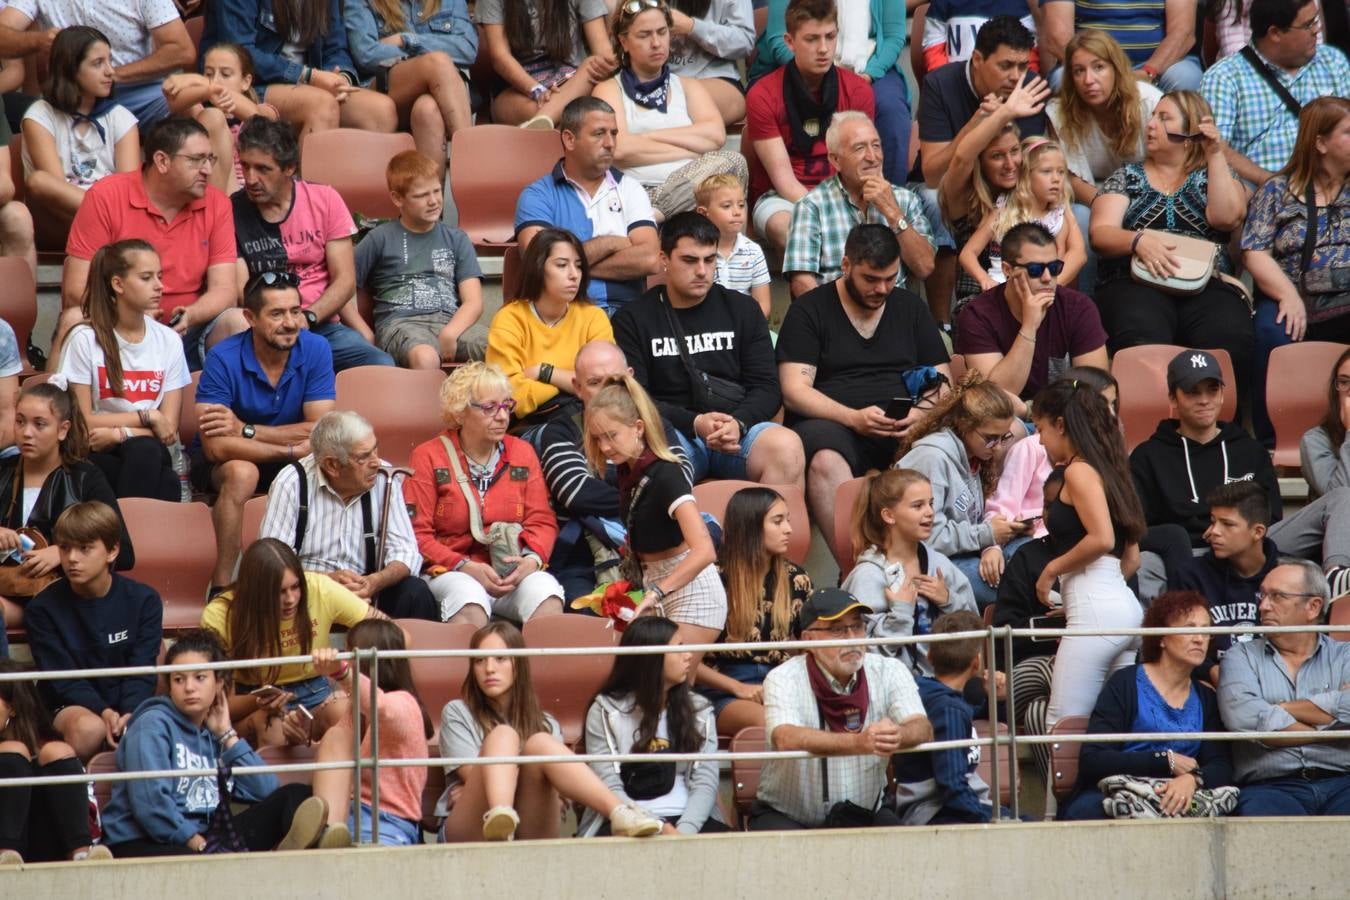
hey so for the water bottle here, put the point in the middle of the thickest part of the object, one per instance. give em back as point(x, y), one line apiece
point(180, 467)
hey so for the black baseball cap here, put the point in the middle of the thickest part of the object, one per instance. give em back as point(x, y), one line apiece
point(828, 605)
point(1190, 367)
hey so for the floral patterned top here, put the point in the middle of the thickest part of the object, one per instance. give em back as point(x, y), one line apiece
point(1277, 221)
point(798, 591)
point(1181, 212)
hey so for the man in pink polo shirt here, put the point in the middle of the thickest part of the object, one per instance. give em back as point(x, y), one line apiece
point(169, 204)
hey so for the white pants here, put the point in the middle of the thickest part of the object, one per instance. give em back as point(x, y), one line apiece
point(455, 590)
point(1095, 598)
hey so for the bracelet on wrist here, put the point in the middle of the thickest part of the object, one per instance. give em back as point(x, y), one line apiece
point(226, 736)
point(659, 591)
point(1029, 340)
point(546, 373)
point(1134, 244)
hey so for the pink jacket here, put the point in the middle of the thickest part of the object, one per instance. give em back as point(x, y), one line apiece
point(1021, 488)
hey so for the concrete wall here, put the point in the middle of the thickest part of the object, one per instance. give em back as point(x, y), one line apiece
point(1234, 859)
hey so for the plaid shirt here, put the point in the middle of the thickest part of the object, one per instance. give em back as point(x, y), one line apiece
point(822, 220)
point(794, 787)
point(1250, 115)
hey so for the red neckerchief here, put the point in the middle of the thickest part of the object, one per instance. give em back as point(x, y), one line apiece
point(839, 712)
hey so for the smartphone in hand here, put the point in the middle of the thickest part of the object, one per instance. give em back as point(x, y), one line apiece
point(899, 407)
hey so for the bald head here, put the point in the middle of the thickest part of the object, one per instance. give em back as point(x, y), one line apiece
point(595, 362)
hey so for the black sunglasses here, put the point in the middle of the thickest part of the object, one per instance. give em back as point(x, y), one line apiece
point(273, 279)
point(1037, 269)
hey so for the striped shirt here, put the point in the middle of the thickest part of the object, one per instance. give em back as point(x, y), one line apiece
point(745, 268)
point(822, 220)
point(1253, 681)
point(1251, 117)
point(1137, 25)
point(794, 787)
point(334, 534)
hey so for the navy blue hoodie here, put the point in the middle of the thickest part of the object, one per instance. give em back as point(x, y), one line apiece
point(942, 784)
point(121, 629)
point(1232, 598)
point(171, 810)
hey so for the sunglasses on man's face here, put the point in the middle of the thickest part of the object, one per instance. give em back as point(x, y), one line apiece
point(1037, 269)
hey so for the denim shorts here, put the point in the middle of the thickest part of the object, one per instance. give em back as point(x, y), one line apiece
point(395, 831)
point(744, 672)
point(715, 464)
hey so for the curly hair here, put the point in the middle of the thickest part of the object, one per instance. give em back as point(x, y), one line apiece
point(1164, 612)
point(971, 403)
point(462, 385)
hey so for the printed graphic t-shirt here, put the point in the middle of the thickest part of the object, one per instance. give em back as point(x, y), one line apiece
point(299, 242)
point(151, 368)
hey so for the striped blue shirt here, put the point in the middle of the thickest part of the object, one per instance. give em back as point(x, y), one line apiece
point(1137, 25)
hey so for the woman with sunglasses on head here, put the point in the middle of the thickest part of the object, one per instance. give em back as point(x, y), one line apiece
point(958, 446)
point(1183, 187)
point(498, 474)
point(535, 337)
point(1095, 524)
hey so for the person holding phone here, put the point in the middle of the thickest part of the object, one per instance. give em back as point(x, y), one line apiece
point(959, 446)
point(275, 608)
point(907, 583)
point(1025, 332)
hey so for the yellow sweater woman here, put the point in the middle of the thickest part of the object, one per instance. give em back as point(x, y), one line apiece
point(534, 339)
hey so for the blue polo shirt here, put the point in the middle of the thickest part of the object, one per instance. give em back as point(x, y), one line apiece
point(233, 376)
point(617, 207)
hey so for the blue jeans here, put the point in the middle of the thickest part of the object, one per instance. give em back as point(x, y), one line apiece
point(394, 831)
point(1182, 75)
point(893, 124)
point(746, 672)
point(942, 236)
point(145, 101)
point(969, 564)
point(1084, 806)
point(349, 348)
point(1296, 797)
point(715, 464)
point(1087, 276)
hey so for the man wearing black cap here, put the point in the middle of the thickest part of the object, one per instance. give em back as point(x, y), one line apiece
point(1189, 456)
point(851, 708)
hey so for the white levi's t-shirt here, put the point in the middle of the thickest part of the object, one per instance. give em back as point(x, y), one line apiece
point(150, 368)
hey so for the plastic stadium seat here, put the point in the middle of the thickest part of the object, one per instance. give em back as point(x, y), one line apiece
point(713, 497)
point(1142, 373)
point(101, 764)
point(439, 679)
point(1296, 396)
point(195, 26)
point(511, 273)
point(435, 786)
point(18, 302)
point(1340, 615)
point(353, 162)
point(745, 773)
point(986, 766)
point(566, 685)
point(1064, 757)
point(254, 510)
point(187, 414)
point(178, 568)
point(404, 405)
point(489, 166)
point(280, 756)
point(841, 540)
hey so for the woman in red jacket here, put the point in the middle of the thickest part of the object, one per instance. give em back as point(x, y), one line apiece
point(501, 475)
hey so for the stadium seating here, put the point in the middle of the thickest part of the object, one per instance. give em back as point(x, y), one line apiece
point(745, 772)
point(1142, 374)
point(988, 756)
point(1064, 757)
point(175, 551)
point(254, 510)
point(439, 679)
point(1340, 615)
point(566, 685)
point(1296, 396)
point(489, 166)
point(841, 540)
point(18, 302)
point(403, 405)
point(713, 497)
point(102, 764)
point(352, 161)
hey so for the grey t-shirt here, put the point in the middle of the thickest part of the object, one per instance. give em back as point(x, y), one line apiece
point(492, 12)
point(462, 738)
point(413, 274)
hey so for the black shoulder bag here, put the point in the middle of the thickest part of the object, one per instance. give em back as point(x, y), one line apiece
point(711, 393)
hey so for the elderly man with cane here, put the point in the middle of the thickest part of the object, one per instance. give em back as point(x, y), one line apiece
point(342, 512)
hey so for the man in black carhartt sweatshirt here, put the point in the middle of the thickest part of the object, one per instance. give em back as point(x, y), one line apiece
point(724, 336)
point(93, 619)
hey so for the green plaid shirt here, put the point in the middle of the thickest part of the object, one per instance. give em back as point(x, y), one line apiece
point(1251, 117)
point(822, 220)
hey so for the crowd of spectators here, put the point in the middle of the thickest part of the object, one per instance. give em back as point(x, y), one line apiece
point(1073, 179)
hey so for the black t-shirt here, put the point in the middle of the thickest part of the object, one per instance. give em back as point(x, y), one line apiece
point(948, 101)
point(852, 370)
point(651, 523)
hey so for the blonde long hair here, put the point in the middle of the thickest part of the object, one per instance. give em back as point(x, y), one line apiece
point(982, 199)
point(1123, 103)
point(1022, 205)
point(625, 400)
point(391, 11)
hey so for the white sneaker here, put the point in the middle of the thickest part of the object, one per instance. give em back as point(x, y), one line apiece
point(631, 820)
point(540, 122)
point(500, 823)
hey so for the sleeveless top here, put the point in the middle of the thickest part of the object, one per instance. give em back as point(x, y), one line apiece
point(640, 120)
point(1066, 529)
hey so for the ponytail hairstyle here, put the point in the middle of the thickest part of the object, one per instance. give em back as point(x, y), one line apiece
point(1096, 439)
point(395, 674)
point(880, 490)
point(746, 564)
point(75, 445)
point(627, 401)
point(968, 405)
point(642, 678)
point(99, 304)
